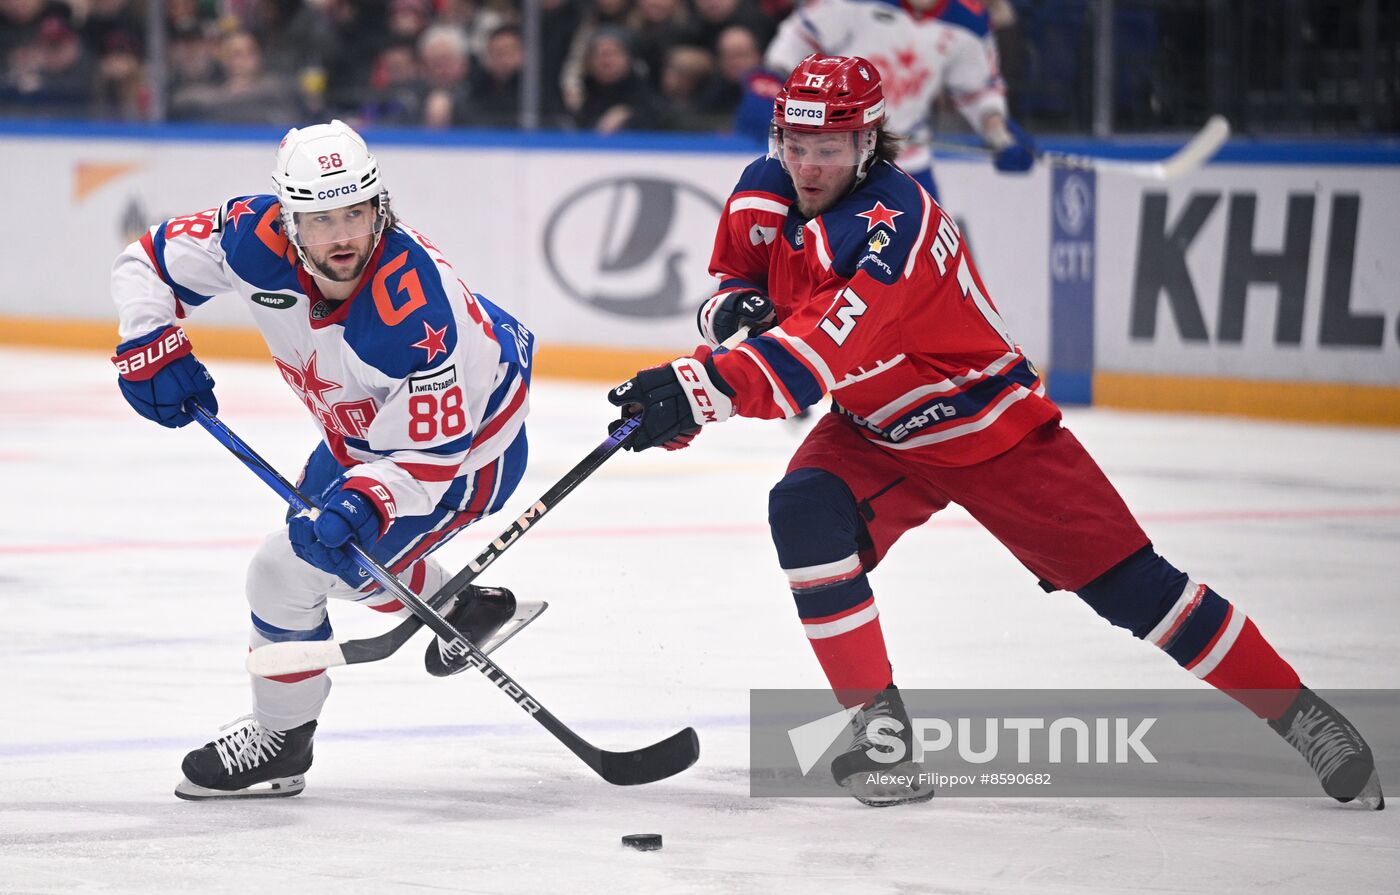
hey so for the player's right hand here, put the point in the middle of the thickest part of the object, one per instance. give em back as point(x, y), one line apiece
point(321, 539)
point(675, 400)
point(158, 373)
point(722, 316)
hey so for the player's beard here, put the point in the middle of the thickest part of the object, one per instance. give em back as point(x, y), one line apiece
point(343, 270)
point(833, 191)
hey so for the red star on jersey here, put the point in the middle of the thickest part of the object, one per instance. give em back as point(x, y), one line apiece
point(879, 215)
point(434, 341)
point(313, 387)
point(239, 209)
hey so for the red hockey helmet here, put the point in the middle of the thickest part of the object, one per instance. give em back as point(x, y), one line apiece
point(830, 93)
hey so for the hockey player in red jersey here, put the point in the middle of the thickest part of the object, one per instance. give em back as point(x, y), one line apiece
point(854, 282)
point(420, 389)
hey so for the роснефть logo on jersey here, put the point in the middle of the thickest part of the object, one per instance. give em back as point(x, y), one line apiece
point(633, 246)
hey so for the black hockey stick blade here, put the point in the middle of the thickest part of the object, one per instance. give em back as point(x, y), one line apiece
point(650, 763)
point(296, 656)
point(372, 649)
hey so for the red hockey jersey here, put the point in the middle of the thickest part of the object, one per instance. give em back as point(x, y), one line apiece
point(880, 305)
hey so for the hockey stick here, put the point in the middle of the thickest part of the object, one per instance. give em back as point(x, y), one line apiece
point(296, 656)
point(1189, 158)
point(646, 765)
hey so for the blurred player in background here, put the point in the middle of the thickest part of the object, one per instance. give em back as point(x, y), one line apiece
point(924, 49)
point(419, 388)
point(866, 291)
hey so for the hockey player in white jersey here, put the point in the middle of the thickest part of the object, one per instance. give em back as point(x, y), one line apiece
point(420, 389)
point(920, 56)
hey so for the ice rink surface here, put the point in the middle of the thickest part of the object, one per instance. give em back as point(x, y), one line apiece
point(122, 551)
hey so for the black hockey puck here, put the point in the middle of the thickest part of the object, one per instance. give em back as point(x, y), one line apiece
point(643, 841)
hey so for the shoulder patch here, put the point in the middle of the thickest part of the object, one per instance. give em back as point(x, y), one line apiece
point(878, 214)
point(432, 383)
point(434, 341)
point(254, 245)
point(875, 228)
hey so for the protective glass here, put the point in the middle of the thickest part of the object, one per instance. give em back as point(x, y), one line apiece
point(842, 149)
point(338, 225)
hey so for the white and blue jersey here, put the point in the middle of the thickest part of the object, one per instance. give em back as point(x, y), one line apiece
point(416, 383)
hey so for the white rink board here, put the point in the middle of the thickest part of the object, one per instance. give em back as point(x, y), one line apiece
point(558, 234)
point(634, 227)
point(1259, 350)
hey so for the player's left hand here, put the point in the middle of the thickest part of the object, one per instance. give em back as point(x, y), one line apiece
point(675, 400)
point(321, 541)
point(1018, 156)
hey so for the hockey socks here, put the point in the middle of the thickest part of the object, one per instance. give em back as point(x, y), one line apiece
point(1219, 644)
point(838, 613)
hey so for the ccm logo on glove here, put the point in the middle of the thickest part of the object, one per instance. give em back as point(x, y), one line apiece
point(691, 372)
point(144, 361)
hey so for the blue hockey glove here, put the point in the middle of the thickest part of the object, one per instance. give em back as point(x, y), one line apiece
point(720, 317)
point(159, 373)
point(345, 513)
point(676, 399)
point(1018, 157)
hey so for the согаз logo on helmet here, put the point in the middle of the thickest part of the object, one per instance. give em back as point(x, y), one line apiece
point(633, 246)
point(800, 112)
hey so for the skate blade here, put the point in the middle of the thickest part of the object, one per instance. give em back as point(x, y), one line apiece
point(279, 788)
point(1371, 796)
point(526, 611)
point(869, 790)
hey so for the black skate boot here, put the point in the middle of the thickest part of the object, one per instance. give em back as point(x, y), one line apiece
point(249, 761)
point(1333, 747)
point(485, 612)
point(876, 783)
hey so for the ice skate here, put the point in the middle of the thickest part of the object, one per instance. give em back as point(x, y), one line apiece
point(489, 617)
point(1334, 748)
point(871, 781)
point(248, 761)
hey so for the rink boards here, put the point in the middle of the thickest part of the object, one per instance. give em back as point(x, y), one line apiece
point(1265, 284)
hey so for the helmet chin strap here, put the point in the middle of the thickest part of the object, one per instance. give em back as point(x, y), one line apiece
point(862, 169)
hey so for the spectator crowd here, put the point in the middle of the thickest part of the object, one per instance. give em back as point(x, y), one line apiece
point(607, 65)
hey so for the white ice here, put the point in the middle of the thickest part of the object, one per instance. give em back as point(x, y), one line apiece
point(122, 549)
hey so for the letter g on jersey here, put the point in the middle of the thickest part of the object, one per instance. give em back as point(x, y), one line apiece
point(633, 246)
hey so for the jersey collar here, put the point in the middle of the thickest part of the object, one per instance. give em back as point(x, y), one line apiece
point(313, 291)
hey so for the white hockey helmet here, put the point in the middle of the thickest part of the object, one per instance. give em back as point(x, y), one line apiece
point(322, 167)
